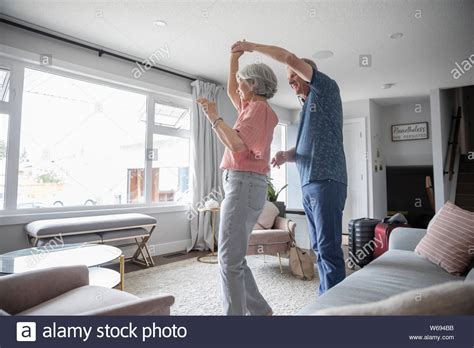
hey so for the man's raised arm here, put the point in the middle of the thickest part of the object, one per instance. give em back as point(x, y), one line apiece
point(303, 69)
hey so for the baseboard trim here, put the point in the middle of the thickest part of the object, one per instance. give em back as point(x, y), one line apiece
point(159, 249)
point(168, 248)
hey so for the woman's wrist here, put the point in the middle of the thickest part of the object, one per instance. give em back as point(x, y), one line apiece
point(212, 117)
point(216, 122)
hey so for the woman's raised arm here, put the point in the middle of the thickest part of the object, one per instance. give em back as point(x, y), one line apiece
point(228, 136)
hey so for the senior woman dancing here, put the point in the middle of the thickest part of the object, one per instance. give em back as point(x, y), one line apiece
point(245, 164)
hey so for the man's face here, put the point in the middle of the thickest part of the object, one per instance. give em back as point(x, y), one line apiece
point(298, 85)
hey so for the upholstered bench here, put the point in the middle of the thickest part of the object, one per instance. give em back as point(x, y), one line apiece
point(96, 229)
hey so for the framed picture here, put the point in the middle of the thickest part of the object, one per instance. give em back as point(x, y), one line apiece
point(410, 131)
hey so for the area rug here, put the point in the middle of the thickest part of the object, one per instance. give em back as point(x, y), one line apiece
point(196, 288)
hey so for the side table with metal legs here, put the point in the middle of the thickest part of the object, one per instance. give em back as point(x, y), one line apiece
point(212, 257)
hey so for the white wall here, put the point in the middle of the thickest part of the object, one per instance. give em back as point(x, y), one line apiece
point(379, 177)
point(284, 115)
point(361, 109)
point(74, 57)
point(405, 153)
point(388, 153)
point(352, 109)
point(442, 109)
point(171, 234)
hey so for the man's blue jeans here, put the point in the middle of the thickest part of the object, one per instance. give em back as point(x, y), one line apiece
point(323, 202)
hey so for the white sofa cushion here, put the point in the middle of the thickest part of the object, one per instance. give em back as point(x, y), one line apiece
point(470, 276)
point(451, 298)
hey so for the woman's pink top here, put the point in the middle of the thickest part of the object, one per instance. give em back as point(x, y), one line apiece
point(255, 124)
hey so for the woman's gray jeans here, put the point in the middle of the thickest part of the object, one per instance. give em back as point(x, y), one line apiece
point(245, 195)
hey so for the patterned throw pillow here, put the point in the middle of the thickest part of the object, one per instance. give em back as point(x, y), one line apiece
point(449, 241)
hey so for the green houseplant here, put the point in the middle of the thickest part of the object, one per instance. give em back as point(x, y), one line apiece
point(272, 196)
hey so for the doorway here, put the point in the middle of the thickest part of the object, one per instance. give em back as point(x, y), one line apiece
point(355, 148)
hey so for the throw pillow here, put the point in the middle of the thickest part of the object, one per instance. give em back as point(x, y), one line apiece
point(449, 240)
point(267, 216)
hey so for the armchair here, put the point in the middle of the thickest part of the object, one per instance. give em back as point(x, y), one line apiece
point(66, 291)
point(275, 241)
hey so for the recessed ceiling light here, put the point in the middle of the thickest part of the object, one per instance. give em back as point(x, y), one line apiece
point(388, 85)
point(323, 54)
point(159, 23)
point(396, 36)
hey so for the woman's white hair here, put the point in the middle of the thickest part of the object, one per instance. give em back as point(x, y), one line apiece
point(261, 78)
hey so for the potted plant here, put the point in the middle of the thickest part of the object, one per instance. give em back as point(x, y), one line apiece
point(272, 196)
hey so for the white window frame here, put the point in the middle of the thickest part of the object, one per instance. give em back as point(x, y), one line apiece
point(163, 130)
point(13, 108)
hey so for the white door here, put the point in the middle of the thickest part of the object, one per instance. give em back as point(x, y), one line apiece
point(355, 148)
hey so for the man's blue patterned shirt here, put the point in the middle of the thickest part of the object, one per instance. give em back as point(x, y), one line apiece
point(319, 147)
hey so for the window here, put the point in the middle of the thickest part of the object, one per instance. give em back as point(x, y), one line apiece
point(3, 156)
point(4, 84)
point(172, 116)
point(171, 145)
point(279, 175)
point(171, 169)
point(80, 143)
point(171, 157)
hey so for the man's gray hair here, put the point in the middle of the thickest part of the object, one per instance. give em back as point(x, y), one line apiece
point(310, 62)
point(262, 79)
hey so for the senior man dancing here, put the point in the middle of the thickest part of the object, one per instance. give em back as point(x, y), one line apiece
point(319, 157)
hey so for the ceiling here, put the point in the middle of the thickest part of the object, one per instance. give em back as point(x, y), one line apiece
point(198, 35)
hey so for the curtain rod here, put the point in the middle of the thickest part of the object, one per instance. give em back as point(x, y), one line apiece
point(99, 51)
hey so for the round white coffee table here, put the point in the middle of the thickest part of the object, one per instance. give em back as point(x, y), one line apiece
point(91, 255)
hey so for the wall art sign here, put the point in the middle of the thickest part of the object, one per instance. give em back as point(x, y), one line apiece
point(410, 131)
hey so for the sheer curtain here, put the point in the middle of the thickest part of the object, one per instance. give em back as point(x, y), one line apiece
point(207, 180)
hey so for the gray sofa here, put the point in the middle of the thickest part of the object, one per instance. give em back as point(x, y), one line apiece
point(397, 271)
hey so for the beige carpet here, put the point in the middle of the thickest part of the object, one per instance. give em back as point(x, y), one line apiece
point(195, 286)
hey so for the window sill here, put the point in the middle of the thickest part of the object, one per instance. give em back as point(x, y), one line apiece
point(24, 216)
